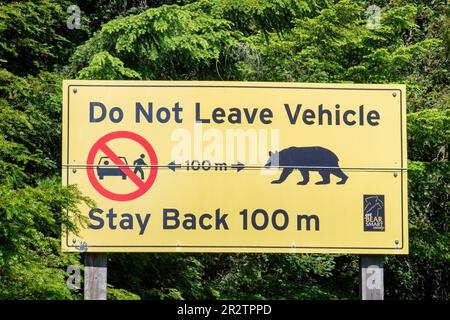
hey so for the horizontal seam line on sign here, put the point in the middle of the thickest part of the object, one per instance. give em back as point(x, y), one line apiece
point(231, 166)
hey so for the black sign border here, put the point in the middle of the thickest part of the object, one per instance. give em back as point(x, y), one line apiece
point(395, 247)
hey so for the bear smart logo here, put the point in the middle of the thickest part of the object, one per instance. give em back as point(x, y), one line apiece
point(374, 212)
point(306, 159)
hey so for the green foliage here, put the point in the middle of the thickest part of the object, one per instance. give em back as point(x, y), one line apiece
point(99, 12)
point(181, 276)
point(30, 126)
point(278, 276)
point(424, 272)
point(167, 42)
point(120, 294)
point(31, 263)
point(35, 36)
point(32, 201)
point(224, 276)
point(337, 46)
point(253, 16)
point(429, 134)
point(106, 67)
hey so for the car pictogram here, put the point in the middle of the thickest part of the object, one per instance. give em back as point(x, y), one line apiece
point(104, 168)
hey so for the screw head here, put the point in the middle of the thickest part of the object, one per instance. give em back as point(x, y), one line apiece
point(395, 174)
point(394, 94)
point(75, 90)
point(396, 242)
point(74, 170)
point(74, 240)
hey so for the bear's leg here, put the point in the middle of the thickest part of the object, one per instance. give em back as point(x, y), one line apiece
point(325, 174)
point(305, 175)
point(339, 173)
point(286, 172)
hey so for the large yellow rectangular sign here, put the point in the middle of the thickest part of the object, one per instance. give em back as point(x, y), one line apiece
point(237, 166)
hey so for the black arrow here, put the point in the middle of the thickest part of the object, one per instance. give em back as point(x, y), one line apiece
point(239, 166)
point(172, 166)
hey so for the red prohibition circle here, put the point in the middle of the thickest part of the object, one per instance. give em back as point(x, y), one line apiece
point(100, 145)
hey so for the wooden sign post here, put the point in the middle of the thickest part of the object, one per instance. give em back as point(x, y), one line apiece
point(371, 277)
point(95, 275)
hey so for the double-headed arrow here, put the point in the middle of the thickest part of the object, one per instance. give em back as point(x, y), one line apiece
point(238, 166)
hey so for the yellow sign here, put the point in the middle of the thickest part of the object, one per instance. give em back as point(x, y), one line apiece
point(237, 166)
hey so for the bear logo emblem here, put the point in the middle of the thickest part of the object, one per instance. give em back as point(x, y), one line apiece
point(306, 159)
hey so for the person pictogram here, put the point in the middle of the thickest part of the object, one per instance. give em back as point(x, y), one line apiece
point(138, 163)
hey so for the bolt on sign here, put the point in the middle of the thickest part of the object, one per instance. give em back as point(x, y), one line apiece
point(237, 166)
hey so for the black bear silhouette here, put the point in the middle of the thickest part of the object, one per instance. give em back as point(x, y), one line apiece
point(307, 159)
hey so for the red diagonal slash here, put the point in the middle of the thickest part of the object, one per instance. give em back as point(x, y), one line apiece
point(122, 166)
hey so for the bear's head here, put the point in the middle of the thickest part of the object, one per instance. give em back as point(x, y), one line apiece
point(273, 159)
